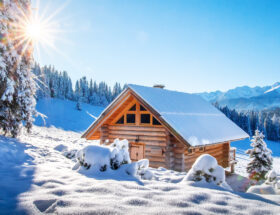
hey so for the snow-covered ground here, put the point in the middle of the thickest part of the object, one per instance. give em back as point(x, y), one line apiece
point(36, 177)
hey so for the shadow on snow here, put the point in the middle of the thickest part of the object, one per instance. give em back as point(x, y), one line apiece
point(16, 171)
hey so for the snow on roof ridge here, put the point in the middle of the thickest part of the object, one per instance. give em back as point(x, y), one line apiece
point(156, 88)
point(192, 114)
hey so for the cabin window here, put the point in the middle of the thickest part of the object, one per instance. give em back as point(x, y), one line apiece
point(130, 118)
point(202, 149)
point(133, 108)
point(190, 150)
point(142, 108)
point(121, 120)
point(155, 121)
point(145, 118)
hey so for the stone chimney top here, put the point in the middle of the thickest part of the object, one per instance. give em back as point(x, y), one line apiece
point(161, 86)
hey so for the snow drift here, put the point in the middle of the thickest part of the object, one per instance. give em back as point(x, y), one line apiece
point(206, 169)
point(269, 187)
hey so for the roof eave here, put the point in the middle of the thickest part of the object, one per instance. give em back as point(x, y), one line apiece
point(214, 143)
point(104, 112)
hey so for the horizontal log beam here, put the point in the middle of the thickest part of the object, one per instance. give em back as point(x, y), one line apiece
point(138, 133)
point(146, 142)
point(140, 139)
point(136, 128)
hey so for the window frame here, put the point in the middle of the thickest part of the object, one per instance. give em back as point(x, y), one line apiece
point(192, 149)
point(144, 113)
point(130, 123)
point(137, 112)
point(123, 121)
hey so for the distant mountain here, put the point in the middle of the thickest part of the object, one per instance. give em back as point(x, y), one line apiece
point(247, 98)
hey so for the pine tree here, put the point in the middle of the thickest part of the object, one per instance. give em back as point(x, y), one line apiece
point(276, 127)
point(25, 94)
point(78, 105)
point(84, 90)
point(261, 161)
point(116, 90)
point(17, 91)
point(77, 91)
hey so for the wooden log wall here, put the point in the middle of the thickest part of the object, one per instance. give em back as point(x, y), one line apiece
point(162, 148)
point(103, 134)
point(154, 138)
point(178, 158)
point(169, 155)
point(219, 151)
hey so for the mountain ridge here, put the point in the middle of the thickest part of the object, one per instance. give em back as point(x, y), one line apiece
point(246, 98)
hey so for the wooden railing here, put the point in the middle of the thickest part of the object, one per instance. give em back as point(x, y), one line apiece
point(232, 160)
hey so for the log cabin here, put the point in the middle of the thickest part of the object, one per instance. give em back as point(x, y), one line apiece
point(169, 128)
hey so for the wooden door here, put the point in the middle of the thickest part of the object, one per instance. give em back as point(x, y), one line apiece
point(136, 151)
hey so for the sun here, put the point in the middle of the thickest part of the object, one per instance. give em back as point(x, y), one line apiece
point(37, 29)
point(34, 31)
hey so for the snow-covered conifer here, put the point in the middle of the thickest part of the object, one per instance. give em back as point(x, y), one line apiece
point(17, 91)
point(261, 161)
point(78, 105)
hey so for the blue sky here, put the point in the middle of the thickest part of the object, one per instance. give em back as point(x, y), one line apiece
point(191, 46)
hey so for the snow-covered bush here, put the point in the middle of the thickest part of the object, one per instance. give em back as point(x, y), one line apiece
point(271, 177)
point(206, 169)
point(261, 158)
point(277, 185)
point(120, 153)
point(70, 154)
point(273, 180)
point(113, 157)
point(140, 168)
point(97, 157)
point(270, 186)
point(103, 157)
point(262, 189)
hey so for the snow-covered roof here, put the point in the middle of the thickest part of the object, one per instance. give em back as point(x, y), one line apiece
point(195, 120)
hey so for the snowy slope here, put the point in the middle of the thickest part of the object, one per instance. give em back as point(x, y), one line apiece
point(41, 180)
point(63, 114)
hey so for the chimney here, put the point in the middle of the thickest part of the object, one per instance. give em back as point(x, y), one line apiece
point(161, 86)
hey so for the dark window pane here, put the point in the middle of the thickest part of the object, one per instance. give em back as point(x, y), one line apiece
point(121, 120)
point(145, 118)
point(130, 118)
point(155, 121)
point(142, 108)
point(133, 108)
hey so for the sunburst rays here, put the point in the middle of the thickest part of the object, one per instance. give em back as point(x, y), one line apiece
point(36, 28)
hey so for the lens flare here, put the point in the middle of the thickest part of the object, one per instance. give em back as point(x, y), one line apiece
point(34, 31)
point(37, 29)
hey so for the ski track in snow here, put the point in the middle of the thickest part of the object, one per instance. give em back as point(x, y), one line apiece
point(49, 185)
